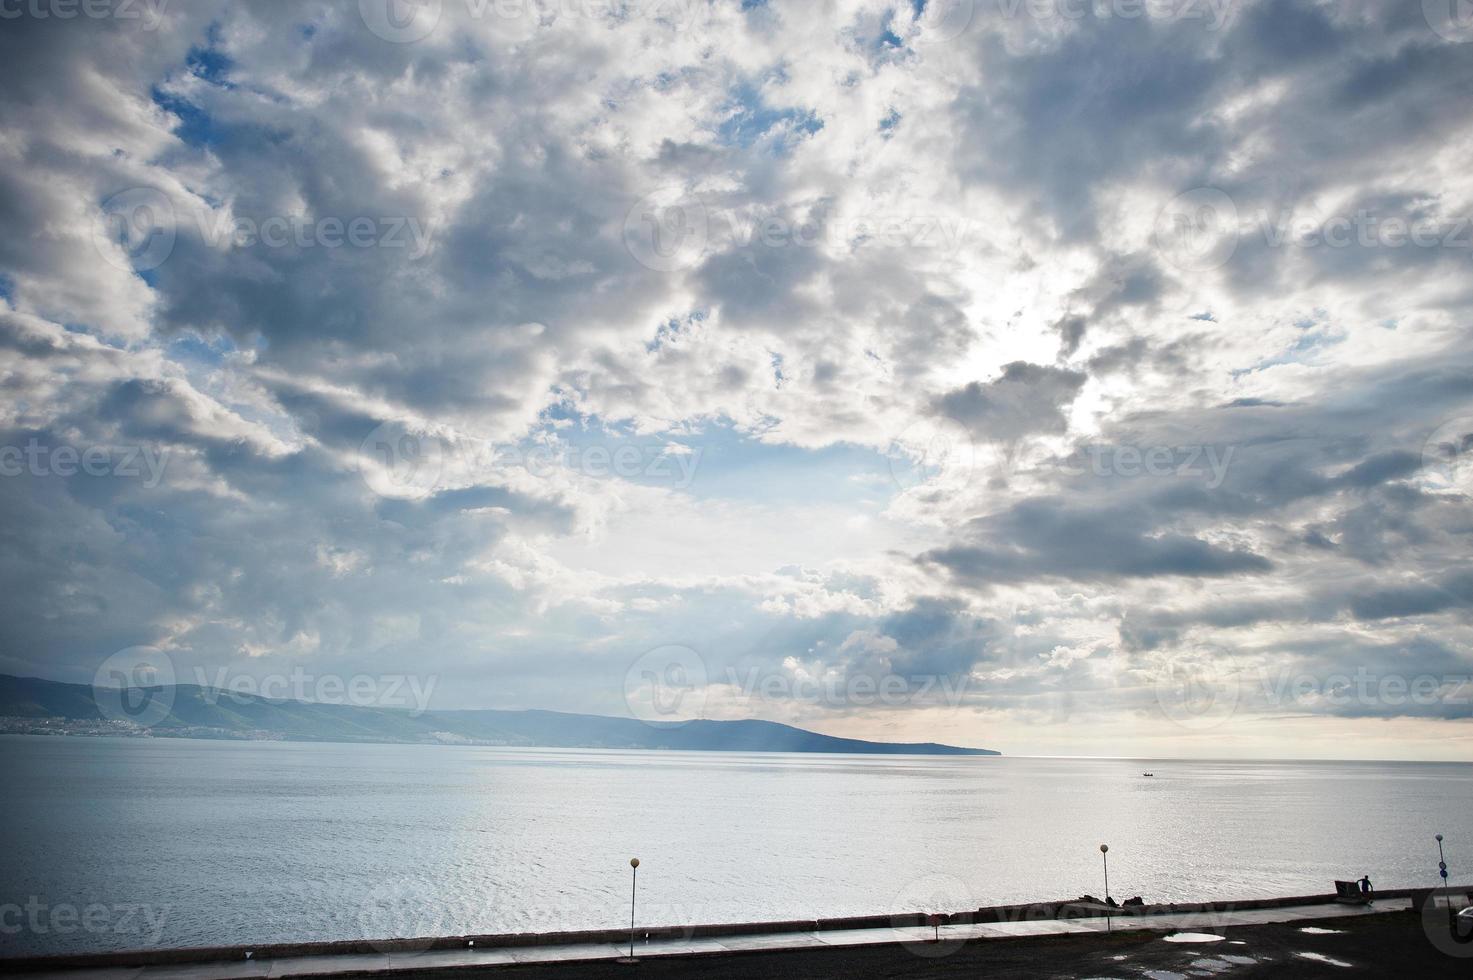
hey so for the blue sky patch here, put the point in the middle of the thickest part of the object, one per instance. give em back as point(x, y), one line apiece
point(749, 119)
point(196, 127)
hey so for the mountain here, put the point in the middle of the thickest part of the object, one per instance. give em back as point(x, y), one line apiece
point(30, 704)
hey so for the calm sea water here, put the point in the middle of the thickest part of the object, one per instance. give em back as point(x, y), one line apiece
point(123, 843)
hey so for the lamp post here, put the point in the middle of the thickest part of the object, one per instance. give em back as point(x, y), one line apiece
point(633, 887)
point(1442, 869)
point(1105, 857)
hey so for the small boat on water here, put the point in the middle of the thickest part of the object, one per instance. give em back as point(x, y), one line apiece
point(1148, 774)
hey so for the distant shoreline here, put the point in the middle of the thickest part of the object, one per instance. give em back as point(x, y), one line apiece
point(142, 735)
point(38, 706)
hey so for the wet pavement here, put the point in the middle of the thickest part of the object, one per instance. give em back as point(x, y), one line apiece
point(1202, 929)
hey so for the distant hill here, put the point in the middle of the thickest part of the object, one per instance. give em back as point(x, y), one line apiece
point(206, 713)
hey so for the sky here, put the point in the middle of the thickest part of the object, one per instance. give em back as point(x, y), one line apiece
point(1058, 378)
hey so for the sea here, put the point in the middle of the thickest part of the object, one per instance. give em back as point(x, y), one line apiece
point(137, 843)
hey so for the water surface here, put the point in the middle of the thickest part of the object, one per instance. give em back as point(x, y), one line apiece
point(260, 842)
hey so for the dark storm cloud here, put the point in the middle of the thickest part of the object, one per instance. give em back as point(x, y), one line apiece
point(1452, 593)
point(939, 637)
point(1025, 398)
point(1052, 122)
point(1381, 468)
point(1052, 538)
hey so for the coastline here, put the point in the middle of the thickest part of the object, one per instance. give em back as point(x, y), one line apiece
point(256, 737)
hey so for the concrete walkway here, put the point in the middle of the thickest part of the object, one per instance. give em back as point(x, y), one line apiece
point(323, 965)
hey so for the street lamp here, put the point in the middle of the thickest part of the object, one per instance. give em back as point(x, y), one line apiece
point(1442, 869)
point(633, 886)
point(1105, 857)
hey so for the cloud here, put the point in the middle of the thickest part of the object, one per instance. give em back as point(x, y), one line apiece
point(343, 287)
point(1049, 538)
point(1026, 398)
point(1454, 592)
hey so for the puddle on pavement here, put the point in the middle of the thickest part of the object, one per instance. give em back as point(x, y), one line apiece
point(1210, 965)
point(1322, 958)
point(1193, 937)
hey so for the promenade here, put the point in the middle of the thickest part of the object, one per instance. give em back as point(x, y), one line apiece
point(925, 942)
